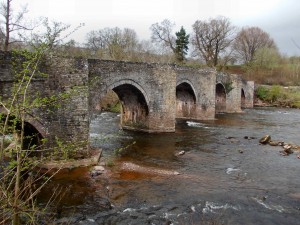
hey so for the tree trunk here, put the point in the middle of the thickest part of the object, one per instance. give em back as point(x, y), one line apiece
point(7, 30)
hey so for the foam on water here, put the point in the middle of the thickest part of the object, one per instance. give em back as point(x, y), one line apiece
point(196, 124)
point(213, 207)
point(231, 170)
point(277, 208)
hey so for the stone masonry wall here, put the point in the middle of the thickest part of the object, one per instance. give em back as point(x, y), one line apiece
point(203, 82)
point(7, 81)
point(70, 121)
point(67, 122)
point(248, 87)
point(156, 82)
point(234, 83)
point(233, 99)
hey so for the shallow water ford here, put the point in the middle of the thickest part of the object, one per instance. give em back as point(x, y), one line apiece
point(224, 177)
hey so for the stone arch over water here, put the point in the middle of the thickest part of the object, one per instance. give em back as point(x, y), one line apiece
point(185, 100)
point(33, 131)
point(134, 101)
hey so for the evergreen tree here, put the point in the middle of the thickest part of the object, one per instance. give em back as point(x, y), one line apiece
point(182, 41)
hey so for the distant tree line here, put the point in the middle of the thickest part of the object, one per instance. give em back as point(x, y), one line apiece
point(214, 42)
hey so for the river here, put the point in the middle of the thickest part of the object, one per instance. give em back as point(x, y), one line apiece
point(222, 175)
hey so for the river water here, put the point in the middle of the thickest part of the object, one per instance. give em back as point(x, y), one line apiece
point(224, 176)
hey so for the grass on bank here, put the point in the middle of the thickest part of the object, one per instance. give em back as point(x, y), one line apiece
point(277, 85)
point(279, 96)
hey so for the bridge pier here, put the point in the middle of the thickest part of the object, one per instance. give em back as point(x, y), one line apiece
point(146, 92)
point(247, 87)
point(195, 93)
point(233, 94)
point(237, 93)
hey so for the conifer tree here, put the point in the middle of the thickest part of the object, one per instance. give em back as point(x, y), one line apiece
point(182, 41)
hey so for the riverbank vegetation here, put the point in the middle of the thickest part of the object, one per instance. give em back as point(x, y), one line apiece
point(279, 96)
point(22, 147)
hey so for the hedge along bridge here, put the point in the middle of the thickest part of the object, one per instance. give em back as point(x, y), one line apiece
point(152, 95)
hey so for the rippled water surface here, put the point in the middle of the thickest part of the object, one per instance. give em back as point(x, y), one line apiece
point(224, 177)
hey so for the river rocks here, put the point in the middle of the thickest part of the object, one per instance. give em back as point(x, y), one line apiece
point(265, 139)
point(296, 148)
point(97, 170)
point(274, 143)
point(147, 170)
point(287, 148)
point(180, 153)
point(249, 138)
point(233, 139)
point(52, 166)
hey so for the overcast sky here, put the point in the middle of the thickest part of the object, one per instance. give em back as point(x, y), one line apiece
point(280, 18)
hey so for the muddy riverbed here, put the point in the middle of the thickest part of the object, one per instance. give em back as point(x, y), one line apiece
point(222, 176)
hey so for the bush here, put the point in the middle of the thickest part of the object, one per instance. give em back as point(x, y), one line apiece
point(115, 108)
point(262, 93)
point(275, 93)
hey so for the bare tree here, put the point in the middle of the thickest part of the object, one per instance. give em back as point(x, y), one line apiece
point(2, 37)
point(147, 51)
point(130, 39)
point(113, 43)
point(12, 22)
point(249, 40)
point(52, 33)
point(162, 33)
point(96, 42)
point(212, 38)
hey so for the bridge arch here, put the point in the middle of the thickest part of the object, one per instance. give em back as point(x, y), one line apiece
point(186, 99)
point(243, 99)
point(135, 103)
point(132, 83)
point(220, 98)
point(34, 132)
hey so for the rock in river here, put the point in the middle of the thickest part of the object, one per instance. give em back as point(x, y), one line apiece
point(274, 143)
point(266, 139)
point(180, 153)
point(288, 149)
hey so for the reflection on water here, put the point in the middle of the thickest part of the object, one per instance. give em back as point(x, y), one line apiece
point(223, 174)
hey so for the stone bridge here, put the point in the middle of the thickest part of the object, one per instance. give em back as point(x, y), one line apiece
point(233, 93)
point(152, 96)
